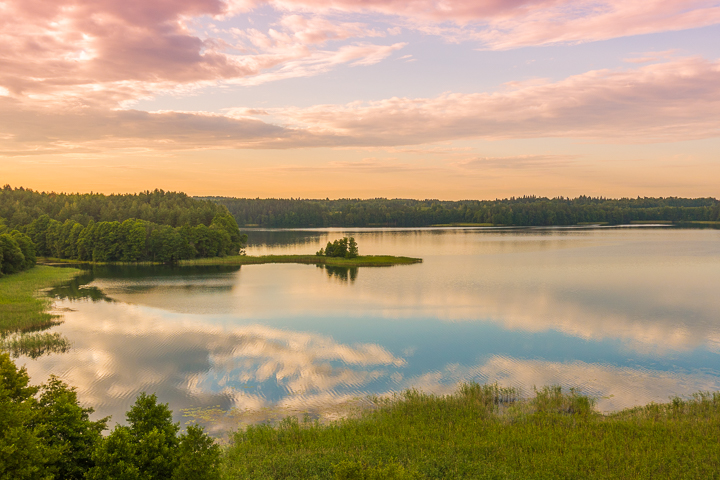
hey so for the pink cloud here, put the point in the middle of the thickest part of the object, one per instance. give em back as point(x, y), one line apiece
point(664, 102)
point(319, 30)
point(503, 24)
point(83, 53)
point(33, 132)
point(671, 101)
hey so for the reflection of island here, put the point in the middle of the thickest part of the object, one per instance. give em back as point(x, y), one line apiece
point(344, 274)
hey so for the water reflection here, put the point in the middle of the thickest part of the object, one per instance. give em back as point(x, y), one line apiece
point(342, 274)
point(34, 344)
point(628, 316)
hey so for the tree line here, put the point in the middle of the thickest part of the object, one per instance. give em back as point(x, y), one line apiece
point(46, 434)
point(153, 226)
point(135, 240)
point(20, 206)
point(521, 211)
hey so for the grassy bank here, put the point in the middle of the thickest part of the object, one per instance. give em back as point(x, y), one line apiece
point(486, 432)
point(21, 308)
point(361, 261)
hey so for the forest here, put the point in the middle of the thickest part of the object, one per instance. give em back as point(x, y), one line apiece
point(153, 226)
point(520, 211)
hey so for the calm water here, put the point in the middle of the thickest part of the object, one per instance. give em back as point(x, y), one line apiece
point(629, 315)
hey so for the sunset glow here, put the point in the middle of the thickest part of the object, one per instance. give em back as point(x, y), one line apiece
point(448, 99)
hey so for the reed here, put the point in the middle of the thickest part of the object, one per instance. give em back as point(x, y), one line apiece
point(484, 431)
point(34, 344)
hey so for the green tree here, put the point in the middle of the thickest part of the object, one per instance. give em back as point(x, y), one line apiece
point(352, 251)
point(149, 448)
point(198, 456)
point(12, 259)
point(67, 429)
point(226, 223)
point(37, 231)
point(23, 455)
point(114, 457)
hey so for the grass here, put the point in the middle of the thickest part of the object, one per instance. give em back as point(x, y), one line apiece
point(361, 261)
point(486, 432)
point(21, 308)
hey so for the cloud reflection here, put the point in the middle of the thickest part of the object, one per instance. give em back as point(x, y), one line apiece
point(191, 363)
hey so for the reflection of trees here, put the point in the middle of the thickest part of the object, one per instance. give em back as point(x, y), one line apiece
point(34, 345)
point(282, 238)
point(78, 289)
point(344, 274)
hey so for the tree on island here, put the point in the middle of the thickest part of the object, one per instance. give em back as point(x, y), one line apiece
point(345, 247)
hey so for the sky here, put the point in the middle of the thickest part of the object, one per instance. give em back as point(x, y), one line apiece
point(447, 99)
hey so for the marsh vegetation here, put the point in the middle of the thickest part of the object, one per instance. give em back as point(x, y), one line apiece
point(24, 311)
point(484, 431)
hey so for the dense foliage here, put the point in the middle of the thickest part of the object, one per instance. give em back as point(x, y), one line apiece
point(17, 251)
point(530, 211)
point(152, 226)
point(46, 434)
point(345, 247)
point(19, 206)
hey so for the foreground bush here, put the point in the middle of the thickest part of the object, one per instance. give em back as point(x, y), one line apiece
point(46, 434)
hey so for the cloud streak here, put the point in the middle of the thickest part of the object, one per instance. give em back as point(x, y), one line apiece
point(663, 102)
point(503, 25)
point(669, 101)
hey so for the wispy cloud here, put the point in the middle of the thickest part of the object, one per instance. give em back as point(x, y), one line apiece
point(660, 102)
point(518, 23)
point(669, 101)
point(80, 54)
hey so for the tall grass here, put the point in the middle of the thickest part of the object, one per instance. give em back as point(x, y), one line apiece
point(23, 312)
point(484, 431)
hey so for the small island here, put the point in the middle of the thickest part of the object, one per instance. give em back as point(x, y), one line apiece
point(359, 261)
point(340, 253)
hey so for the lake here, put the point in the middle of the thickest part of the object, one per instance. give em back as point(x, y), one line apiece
point(627, 315)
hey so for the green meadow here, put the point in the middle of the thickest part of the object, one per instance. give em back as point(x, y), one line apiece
point(486, 432)
point(360, 261)
point(21, 307)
